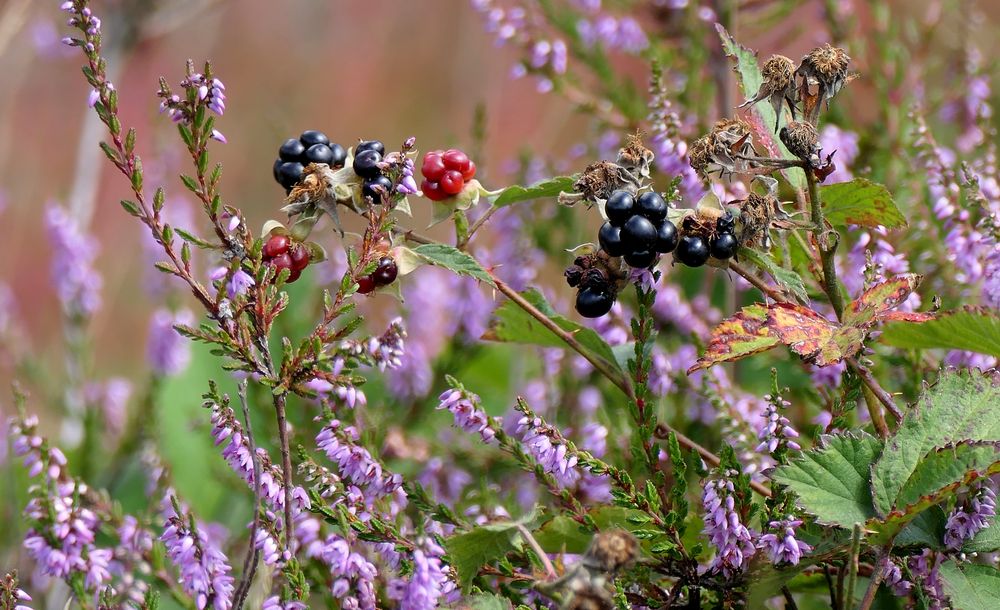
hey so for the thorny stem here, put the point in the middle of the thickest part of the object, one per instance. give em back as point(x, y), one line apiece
point(872, 385)
point(830, 284)
point(852, 568)
point(769, 291)
point(550, 571)
point(876, 579)
point(477, 225)
point(253, 553)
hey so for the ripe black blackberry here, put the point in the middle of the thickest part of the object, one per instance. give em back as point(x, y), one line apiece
point(637, 228)
point(692, 250)
point(296, 153)
point(367, 156)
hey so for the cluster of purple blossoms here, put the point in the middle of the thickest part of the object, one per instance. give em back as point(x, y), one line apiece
point(504, 23)
point(613, 33)
point(510, 25)
point(407, 183)
point(536, 437)
point(899, 586)
point(354, 576)
point(780, 544)
point(111, 398)
point(429, 582)
point(210, 92)
point(387, 351)
point(238, 284)
point(203, 568)
point(777, 431)
point(348, 394)
point(76, 281)
point(925, 571)
point(356, 465)
point(732, 540)
point(83, 19)
point(11, 595)
point(167, 351)
point(974, 514)
point(63, 531)
point(226, 429)
point(468, 416)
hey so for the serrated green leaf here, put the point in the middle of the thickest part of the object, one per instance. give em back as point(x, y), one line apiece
point(971, 329)
point(986, 541)
point(546, 188)
point(960, 406)
point(875, 302)
point(947, 466)
point(860, 202)
point(563, 534)
point(446, 256)
point(471, 550)
point(786, 278)
point(511, 324)
point(487, 601)
point(925, 531)
point(750, 78)
point(971, 586)
point(831, 481)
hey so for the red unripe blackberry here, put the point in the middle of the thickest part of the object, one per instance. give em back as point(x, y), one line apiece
point(300, 257)
point(456, 160)
point(275, 246)
point(366, 284)
point(433, 167)
point(452, 182)
point(432, 191)
point(469, 172)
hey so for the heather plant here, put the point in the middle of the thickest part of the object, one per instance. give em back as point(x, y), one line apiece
point(764, 382)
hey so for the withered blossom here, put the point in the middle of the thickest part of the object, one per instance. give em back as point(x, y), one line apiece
point(724, 150)
point(821, 75)
point(778, 86)
point(802, 140)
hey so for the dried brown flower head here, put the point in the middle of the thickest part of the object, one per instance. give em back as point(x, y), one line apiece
point(698, 156)
point(758, 215)
point(802, 140)
point(635, 157)
point(723, 149)
point(778, 86)
point(612, 550)
point(822, 74)
point(601, 179)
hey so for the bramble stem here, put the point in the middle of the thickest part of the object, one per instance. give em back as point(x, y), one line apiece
point(830, 284)
point(852, 568)
point(769, 291)
point(876, 579)
point(550, 571)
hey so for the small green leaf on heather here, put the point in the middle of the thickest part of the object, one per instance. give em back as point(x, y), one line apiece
point(546, 188)
point(446, 256)
point(860, 202)
point(970, 329)
point(961, 406)
point(971, 586)
point(511, 324)
point(831, 481)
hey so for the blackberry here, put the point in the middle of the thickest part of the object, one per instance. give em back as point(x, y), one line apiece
point(311, 137)
point(610, 238)
point(666, 237)
point(652, 206)
point(446, 173)
point(692, 251)
point(638, 234)
point(386, 271)
point(368, 188)
point(724, 246)
point(726, 224)
point(289, 174)
point(640, 259)
point(593, 302)
point(339, 155)
point(370, 145)
point(319, 153)
point(291, 150)
point(366, 163)
point(619, 207)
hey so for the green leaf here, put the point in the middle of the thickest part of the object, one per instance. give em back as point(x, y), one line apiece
point(487, 601)
point(454, 259)
point(971, 586)
point(471, 550)
point(786, 278)
point(750, 79)
point(563, 534)
point(986, 541)
point(512, 324)
point(875, 302)
point(546, 188)
point(971, 329)
point(860, 202)
point(743, 334)
point(947, 466)
point(925, 531)
point(832, 481)
point(960, 406)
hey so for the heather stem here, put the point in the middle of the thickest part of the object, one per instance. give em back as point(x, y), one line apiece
point(286, 465)
point(253, 553)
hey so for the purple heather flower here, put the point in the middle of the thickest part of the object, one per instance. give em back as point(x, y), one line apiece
point(613, 33)
point(780, 544)
point(924, 569)
point(552, 456)
point(894, 580)
point(218, 135)
point(387, 351)
point(11, 595)
point(429, 583)
point(355, 464)
point(972, 515)
point(167, 351)
point(203, 568)
point(353, 575)
point(444, 483)
point(468, 416)
point(240, 283)
point(732, 540)
point(76, 281)
point(274, 603)
point(776, 431)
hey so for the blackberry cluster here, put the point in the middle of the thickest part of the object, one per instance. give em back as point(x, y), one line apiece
point(596, 292)
point(445, 173)
point(310, 147)
point(385, 273)
point(367, 156)
point(694, 250)
point(637, 228)
point(282, 252)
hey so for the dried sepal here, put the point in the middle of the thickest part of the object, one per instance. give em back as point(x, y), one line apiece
point(778, 86)
point(635, 157)
point(725, 150)
point(821, 74)
point(802, 140)
point(598, 181)
point(758, 215)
